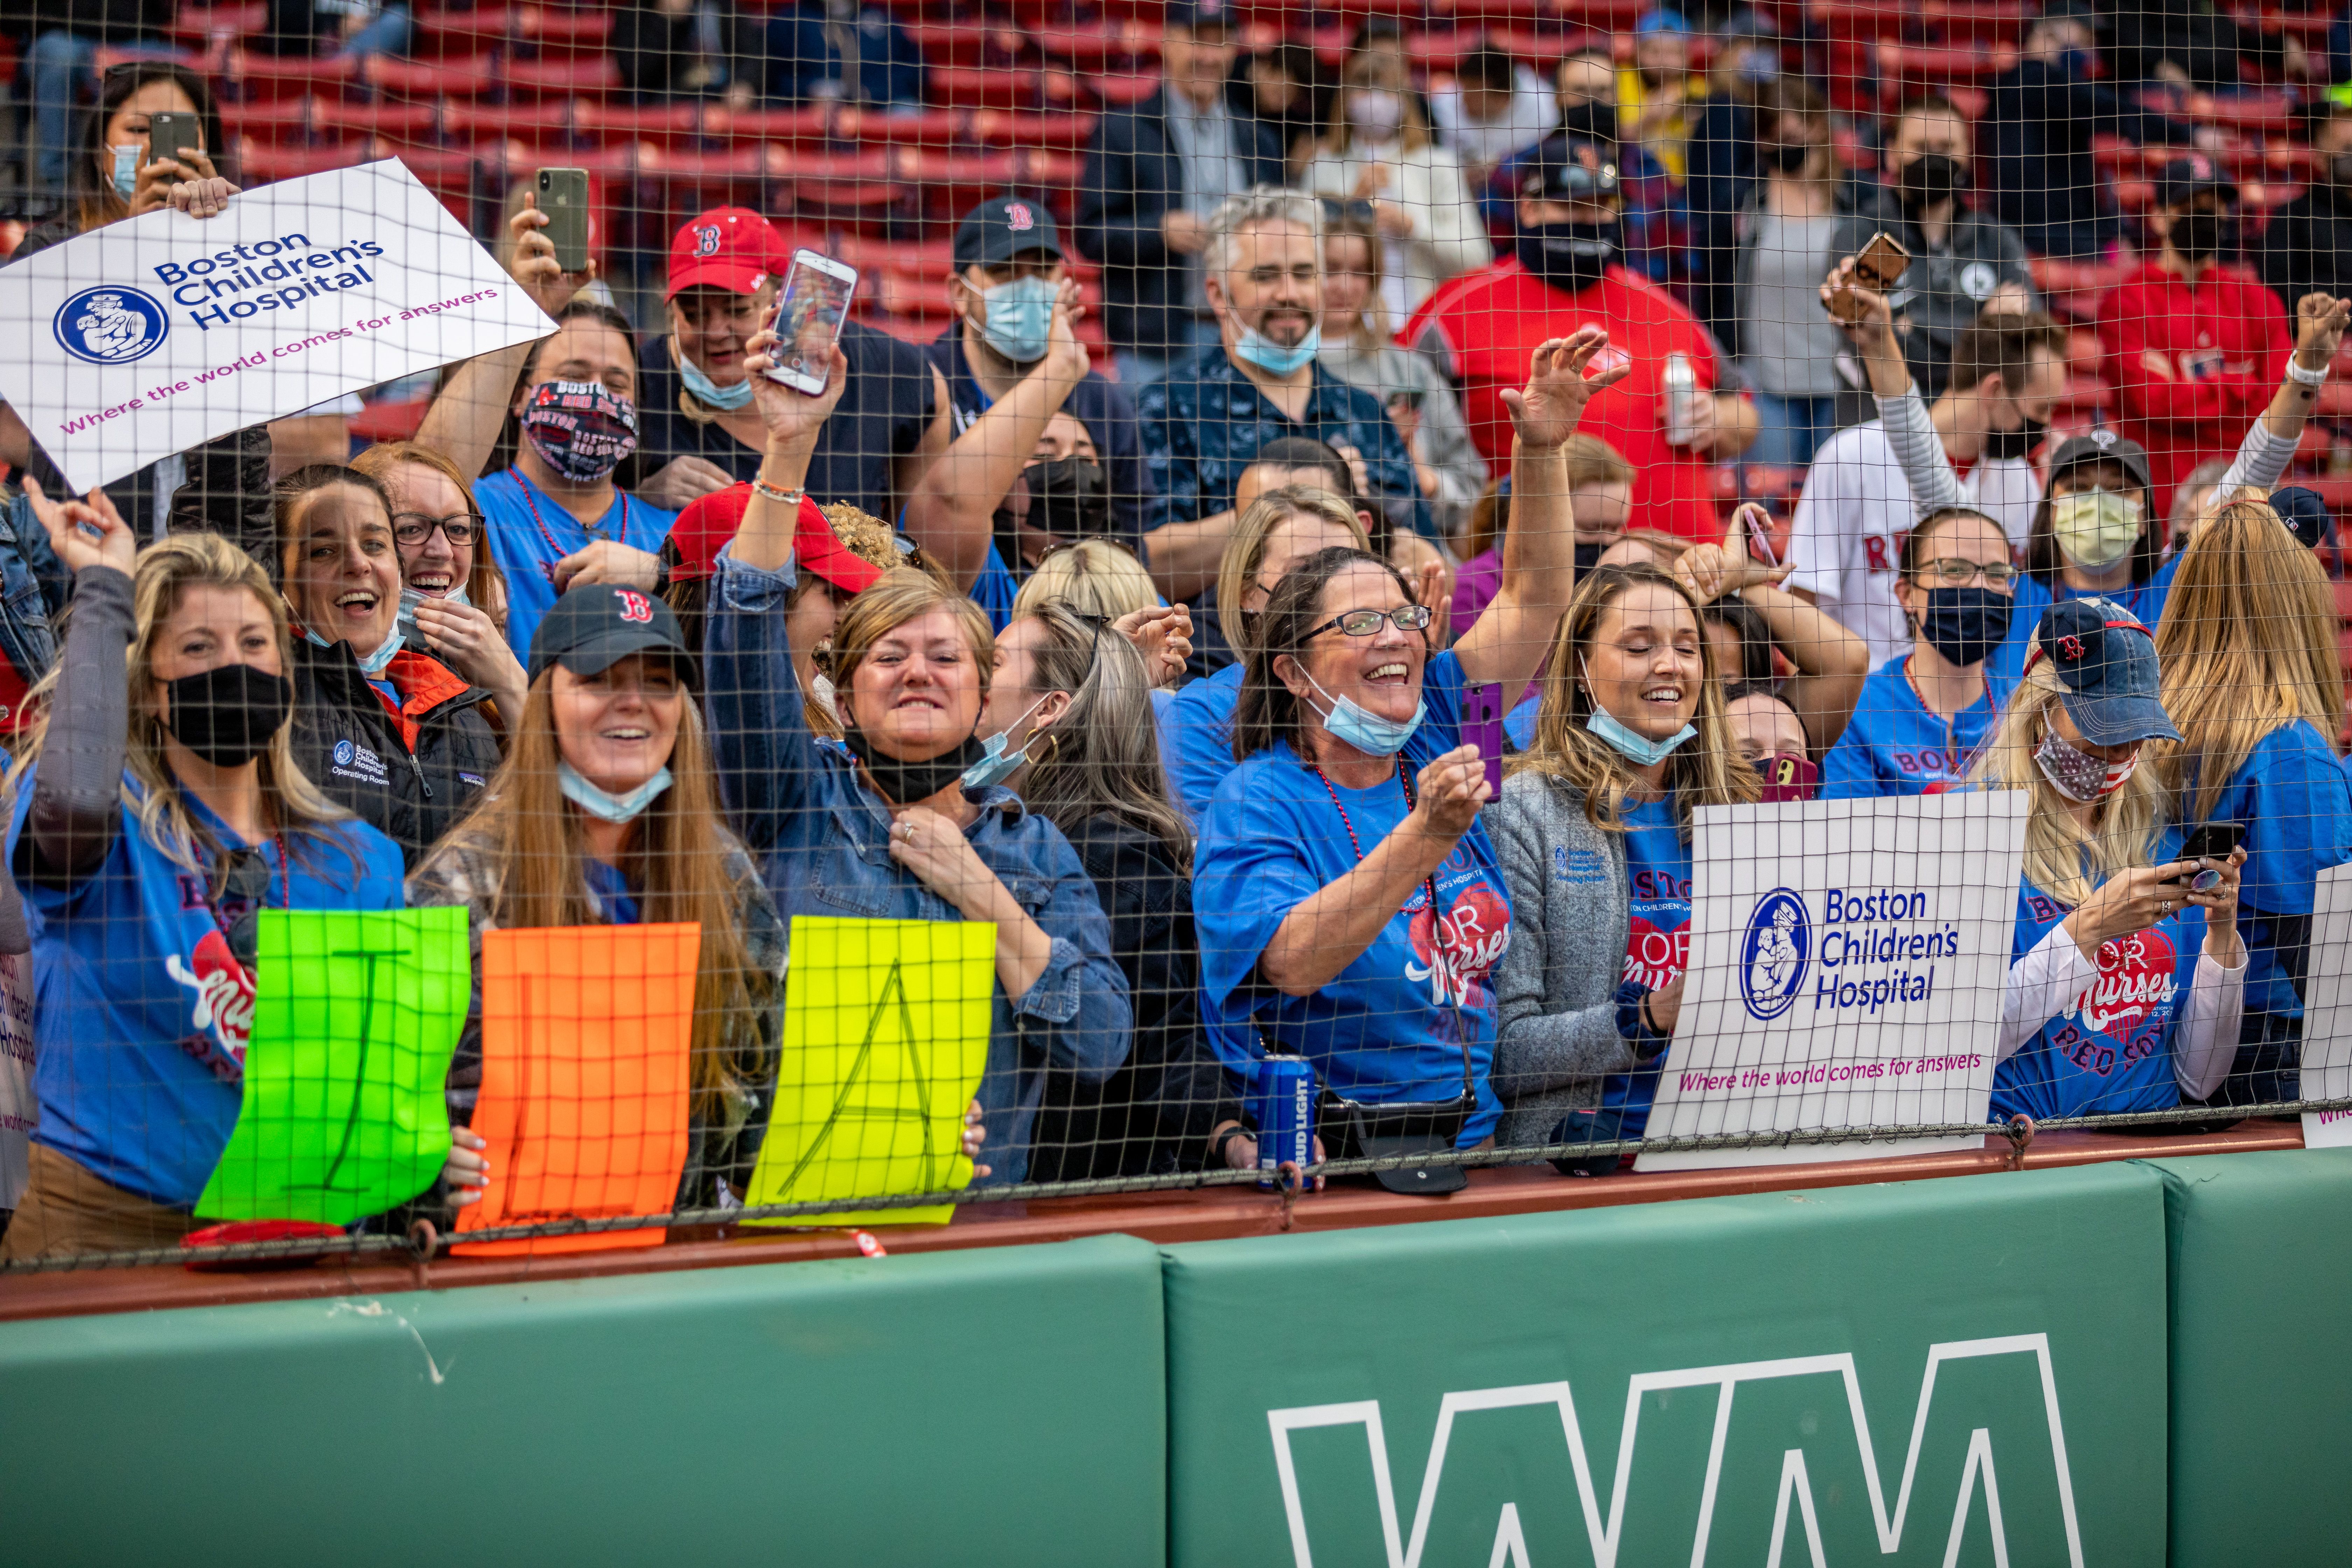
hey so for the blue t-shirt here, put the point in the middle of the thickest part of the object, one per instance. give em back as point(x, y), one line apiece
point(2296, 803)
point(2144, 600)
point(2110, 1051)
point(142, 1010)
point(1894, 745)
point(994, 590)
point(1657, 945)
point(1519, 723)
point(1196, 738)
point(1396, 1023)
point(613, 893)
point(531, 532)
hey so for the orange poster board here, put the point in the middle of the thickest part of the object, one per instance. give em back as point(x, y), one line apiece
point(586, 1080)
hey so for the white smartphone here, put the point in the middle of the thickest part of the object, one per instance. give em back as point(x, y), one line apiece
point(815, 302)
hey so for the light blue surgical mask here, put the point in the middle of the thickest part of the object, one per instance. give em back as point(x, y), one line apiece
point(610, 807)
point(410, 598)
point(1366, 731)
point(373, 664)
point(706, 391)
point(126, 171)
point(1020, 318)
point(1273, 358)
point(997, 764)
point(1637, 749)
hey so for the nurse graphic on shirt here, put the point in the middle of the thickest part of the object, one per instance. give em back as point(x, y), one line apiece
point(2126, 973)
point(1922, 717)
point(154, 818)
point(1632, 729)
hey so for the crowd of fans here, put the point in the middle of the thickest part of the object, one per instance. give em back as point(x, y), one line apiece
point(1167, 667)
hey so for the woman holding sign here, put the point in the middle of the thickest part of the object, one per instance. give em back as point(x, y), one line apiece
point(2128, 975)
point(897, 821)
point(1595, 831)
point(154, 818)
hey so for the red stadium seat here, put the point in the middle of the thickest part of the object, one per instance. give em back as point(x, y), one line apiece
point(198, 24)
point(546, 124)
point(565, 26)
point(1978, 21)
point(252, 76)
point(1102, 47)
point(997, 127)
point(443, 31)
point(937, 128)
point(469, 76)
point(973, 87)
point(949, 42)
point(389, 420)
point(566, 74)
point(274, 120)
point(809, 123)
point(668, 124)
point(1116, 92)
point(261, 163)
point(402, 122)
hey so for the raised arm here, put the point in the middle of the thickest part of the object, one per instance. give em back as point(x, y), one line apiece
point(1909, 431)
point(2269, 447)
point(1831, 662)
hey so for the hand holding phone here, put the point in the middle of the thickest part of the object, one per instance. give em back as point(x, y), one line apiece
point(1482, 726)
point(2209, 841)
point(172, 136)
point(809, 316)
point(1879, 269)
point(563, 197)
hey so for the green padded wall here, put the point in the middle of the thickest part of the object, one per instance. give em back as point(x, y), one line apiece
point(998, 1406)
point(2261, 1358)
point(1363, 1346)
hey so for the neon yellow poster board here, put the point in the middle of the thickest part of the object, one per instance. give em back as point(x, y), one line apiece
point(355, 1016)
point(886, 1036)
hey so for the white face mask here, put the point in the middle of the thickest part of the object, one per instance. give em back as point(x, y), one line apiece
point(1376, 115)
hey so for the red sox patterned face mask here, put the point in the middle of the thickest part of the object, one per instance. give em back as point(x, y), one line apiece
point(580, 428)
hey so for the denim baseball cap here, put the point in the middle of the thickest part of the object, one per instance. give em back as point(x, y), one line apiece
point(2107, 660)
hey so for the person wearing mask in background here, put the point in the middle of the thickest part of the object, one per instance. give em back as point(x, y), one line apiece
point(838, 51)
point(1015, 370)
point(2042, 116)
point(1600, 496)
point(1964, 263)
point(1659, 96)
point(672, 49)
point(60, 67)
point(1203, 426)
point(1563, 276)
point(609, 815)
point(1724, 170)
point(337, 30)
point(459, 610)
point(1788, 346)
point(158, 810)
point(391, 733)
point(2248, 648)
point(2195, 46)
point(1287, 90)
point(2194, 343)
point(895, 820)
point(1750, 617)
point(222, 486)
point(2307, 248)
point(1594, 829)
point(1066, 723)
point(1496, 107)
point(2126, 979)
point(1771, 736)
point(1862, 493)
point(1923, 717)
point(1154, 176)
point(1652, 213)
point(1358, 348)
point(1378, 150)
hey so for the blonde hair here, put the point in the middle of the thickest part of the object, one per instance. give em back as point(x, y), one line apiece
point(1372, 329)
point(1705, 770)
point(2062, 859)
point(485, 585)
point(291, 803)
point(901, 595)
point(1093, 576)
point(1245, 546)
point(2248, 646)
point(679, 859)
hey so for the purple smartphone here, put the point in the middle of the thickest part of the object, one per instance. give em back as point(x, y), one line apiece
point(1482, 726)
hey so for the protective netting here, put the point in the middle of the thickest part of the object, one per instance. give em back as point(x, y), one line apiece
point(1088, 598)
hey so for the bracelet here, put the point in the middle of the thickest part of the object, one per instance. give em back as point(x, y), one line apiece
point(790, 497)
point(2308, 377)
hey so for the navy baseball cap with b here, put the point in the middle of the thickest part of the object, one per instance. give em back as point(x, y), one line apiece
point(1002, 228)
point(596, 626)
point(1192, 15)
point(2107, 660)
point(1564, 168)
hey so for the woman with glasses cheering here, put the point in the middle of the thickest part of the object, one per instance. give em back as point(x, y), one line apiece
point(155, 817)
point(1923, 717)
point(455, 601)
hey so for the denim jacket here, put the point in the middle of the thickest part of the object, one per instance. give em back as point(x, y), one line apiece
point(33, 589)
point(823, 840)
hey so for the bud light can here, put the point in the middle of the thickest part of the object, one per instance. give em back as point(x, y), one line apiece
point(1282, 1103)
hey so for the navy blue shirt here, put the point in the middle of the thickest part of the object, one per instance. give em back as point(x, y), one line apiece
point(883, 412)
point(1207, 422)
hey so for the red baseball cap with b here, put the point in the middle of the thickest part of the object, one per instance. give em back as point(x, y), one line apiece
point(733, 248)
point(709, 521)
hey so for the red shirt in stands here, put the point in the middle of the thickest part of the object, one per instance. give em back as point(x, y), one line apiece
point(2191, 367)
point(1489, 321)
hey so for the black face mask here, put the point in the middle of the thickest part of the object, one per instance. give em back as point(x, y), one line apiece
point(1569, 256)
point(2017, 443)
point(906, 782)
point(228, 715)
point(1930, 182)
point(1592, 121)
point(1788, 159)
point(2197, 235)
point(1965, 624)
point(1588, 557)
point(1069, 497)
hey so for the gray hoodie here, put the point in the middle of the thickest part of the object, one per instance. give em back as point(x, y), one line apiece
point(1556, 987)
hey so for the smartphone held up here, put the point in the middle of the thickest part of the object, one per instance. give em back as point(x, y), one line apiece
point(809, 314)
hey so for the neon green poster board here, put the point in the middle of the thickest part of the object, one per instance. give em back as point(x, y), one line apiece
point(885, 1036)
point(355, 1015)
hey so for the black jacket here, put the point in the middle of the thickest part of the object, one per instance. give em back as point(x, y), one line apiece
point(2036, 137)
point(350, 747)
point(1134, 177)
point(2308, 246)
point(1155, 1114)
point(101, 21)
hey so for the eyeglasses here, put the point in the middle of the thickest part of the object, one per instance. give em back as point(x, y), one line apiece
point(1368, 623)
point(1954, 572)
point(459, 528)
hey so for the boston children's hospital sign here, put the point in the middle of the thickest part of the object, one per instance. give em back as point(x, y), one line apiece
point(146, 337)
point(1845, 971)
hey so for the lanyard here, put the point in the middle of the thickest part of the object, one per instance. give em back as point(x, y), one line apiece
point(588, 534)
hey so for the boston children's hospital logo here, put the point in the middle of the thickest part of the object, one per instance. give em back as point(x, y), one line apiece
point(111, 325)
point(1774, 952)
